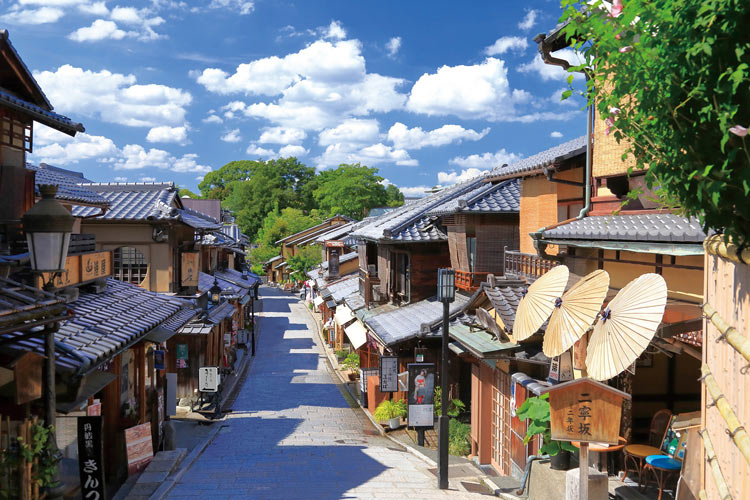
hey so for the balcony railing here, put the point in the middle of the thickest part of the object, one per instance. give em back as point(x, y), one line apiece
point(525, 264)
point(469, 281)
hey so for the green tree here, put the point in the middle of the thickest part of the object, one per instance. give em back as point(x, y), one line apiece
point(395, 198)
point(277, 225)
point(351, 190)
point(186, 192)
point(304, 259)
point(673, 79)
point(253, 189)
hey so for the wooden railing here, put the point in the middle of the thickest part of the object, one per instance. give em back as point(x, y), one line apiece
point(469, 281)
point(526, 264)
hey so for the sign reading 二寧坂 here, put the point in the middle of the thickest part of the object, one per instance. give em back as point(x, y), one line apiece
point(584, 410)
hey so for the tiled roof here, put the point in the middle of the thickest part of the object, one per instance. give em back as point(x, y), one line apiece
point(179, 320)
point(319, 229)
point(534, 163)
point(273, 259)
point(646, 227)
point(280, 265)
point(503, 197)
point(41, 115)
point(212, 208)
point(504, 300)
point(341, 288)
point(354, 301)
point(403, 323)
point(231, 286)
point(68, 185)
point(218, 313)
point(140, 201)
point(107, 322)
point(336, 233)
point(410, 222)
point(235, 277)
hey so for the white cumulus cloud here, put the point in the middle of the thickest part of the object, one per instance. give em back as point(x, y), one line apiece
point(393, 45)
point(415, 138)
point(485, 160)
point(282, 135)
point(114, 97)
point(241, 7)
point(292, 150)
point(99, 30)
point(529, 20)
point(335, 31)
point(550, 72)
point(454, 177)
point(256, 150)
point(167, 134)
point(414, 191)
point(232, 136)
point(555, 134)
point(371, 155)
point(506, 43)
point(42, 15)
point(353, 130)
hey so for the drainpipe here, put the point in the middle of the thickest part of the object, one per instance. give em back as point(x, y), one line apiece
point(536, 236)
point(527, 470)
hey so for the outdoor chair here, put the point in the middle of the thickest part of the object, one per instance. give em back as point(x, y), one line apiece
point(637, 453)
point(665, 467)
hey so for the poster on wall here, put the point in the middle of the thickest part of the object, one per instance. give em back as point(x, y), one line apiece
point(421, 394)
point(182, 355)
point(90, 459)
point(388, 374)
point(158, 360)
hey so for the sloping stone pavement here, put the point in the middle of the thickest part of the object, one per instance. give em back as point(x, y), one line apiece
point(291, 433)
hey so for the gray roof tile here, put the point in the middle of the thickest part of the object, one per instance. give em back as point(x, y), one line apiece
point(342, 288)
point(403, 323)
point(132, 201)
point(535, 162)
point(69, 185)
point(503, 197)
point(646, 227)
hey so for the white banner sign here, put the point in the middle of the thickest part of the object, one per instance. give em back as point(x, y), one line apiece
point(421, 416)
point(208, 379)
point(388, 374)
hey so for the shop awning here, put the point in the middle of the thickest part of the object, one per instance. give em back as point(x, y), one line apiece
point(479, 343)
point(330, 304)
point(343, 315)
point(357, 334)
point(318, 300)
point(457, 348)
point(92, 383)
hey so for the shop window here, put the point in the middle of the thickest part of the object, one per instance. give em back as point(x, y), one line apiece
point(129, 265)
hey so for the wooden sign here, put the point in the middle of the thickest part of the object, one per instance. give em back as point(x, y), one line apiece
point(90, 459)
point(95, 265)
point(335, 244)
point(139, 446)
point(80, 269)
point(585, 410)
point(27, 371)
point(190, 268)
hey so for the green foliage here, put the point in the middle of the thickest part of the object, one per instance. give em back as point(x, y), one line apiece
point(537, 411)
point(186, 192)
point(341, 354)
point(351, 362)
point(674, 77)
point(40, 448)
point(351, 190)
point(276, 226)
point(458, 438)
point(304, 259)
point(455, 408)
point(388, 409)
point(253, 189)
point(394, 196)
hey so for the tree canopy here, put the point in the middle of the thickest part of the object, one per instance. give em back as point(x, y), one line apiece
point(672, 78)
point(276, 225)
point(352, 190)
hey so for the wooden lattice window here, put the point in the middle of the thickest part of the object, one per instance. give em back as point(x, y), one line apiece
point(15, 131)
point(129, 265)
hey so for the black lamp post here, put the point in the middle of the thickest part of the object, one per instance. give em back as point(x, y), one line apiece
point(446, 294)
point(48, 226)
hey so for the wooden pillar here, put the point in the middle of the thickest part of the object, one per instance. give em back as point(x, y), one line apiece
point(140, 371)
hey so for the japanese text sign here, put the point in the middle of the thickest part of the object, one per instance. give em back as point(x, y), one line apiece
point(90, 463)
point(189, 270)
point(585, 411)
point(208, 378)
point(388, 374)
point(421, 394)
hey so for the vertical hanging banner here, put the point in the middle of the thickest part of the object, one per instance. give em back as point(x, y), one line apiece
point(388, 373)
point(90, 459)
point(421, 394)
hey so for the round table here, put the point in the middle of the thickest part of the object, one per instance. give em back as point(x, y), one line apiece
point(621, 442)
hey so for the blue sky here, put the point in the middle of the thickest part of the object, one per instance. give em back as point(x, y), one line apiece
point(428, 92)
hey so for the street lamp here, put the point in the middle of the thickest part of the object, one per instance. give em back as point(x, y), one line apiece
point(215, 292)
point(251, 293)
point(446, 294)
point(48, 226)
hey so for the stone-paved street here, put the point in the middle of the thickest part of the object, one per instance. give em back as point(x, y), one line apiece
point(292, 434)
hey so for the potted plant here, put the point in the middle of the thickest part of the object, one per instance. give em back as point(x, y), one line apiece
point(351, 362)
point(536, 410)
point(392, 411)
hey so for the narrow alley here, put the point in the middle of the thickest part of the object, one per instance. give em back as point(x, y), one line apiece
point(292, 434)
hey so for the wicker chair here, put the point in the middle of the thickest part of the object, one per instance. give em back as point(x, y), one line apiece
point(637, 453)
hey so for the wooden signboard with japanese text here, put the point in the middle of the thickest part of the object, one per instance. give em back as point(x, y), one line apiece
point(90, 459)
point(139, 446)
point(189, 269)
point(80, 269)
point(95, 265)
point(27, 371)
point(584, 410)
